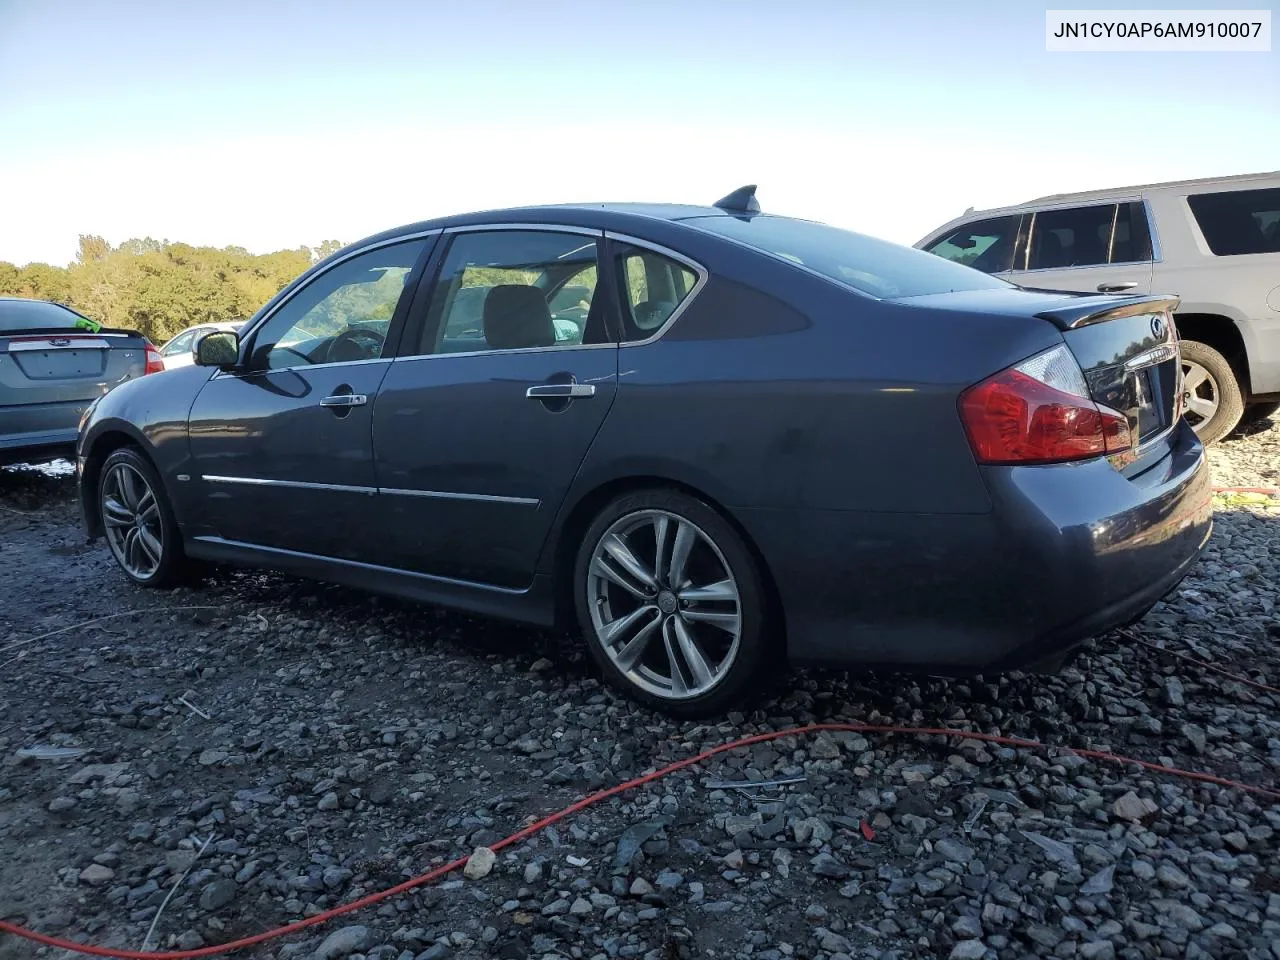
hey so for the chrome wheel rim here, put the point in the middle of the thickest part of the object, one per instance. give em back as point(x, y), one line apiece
point(131, 517)
point(664, 604)
point(1200, 395)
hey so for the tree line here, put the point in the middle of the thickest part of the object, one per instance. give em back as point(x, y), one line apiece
point(158, 287)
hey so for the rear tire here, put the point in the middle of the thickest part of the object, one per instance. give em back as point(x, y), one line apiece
point(1259, 411)
point(1212, 399)
point(138, 521)
point(673, 604)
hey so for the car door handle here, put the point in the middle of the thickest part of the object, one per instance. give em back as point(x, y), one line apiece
point(345, 400)
point(551, 391)
point(1117, 287)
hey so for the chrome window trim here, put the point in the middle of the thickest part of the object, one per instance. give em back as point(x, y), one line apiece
point(1156, 255)
point(251, 328)
point(702, 273)
point(449, 495)
point(298, 484)
point(594, 233)
point(339, 365)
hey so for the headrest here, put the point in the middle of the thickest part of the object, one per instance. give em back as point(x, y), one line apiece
point(516, 315)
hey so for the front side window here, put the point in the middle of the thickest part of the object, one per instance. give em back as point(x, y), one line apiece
point(876, 267)
point(1071, 237)
point(515, 290)
point(985, 245)
point(342, 315)
point(652, 285)
point(1239, 222)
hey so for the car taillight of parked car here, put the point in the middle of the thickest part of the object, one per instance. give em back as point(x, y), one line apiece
point(1039, 411)
point(155, 362)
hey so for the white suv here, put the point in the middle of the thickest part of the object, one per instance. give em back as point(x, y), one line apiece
point(1214, 243)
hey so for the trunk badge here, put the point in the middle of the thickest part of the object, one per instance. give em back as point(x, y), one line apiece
point(59, 341)
point(1157, 327)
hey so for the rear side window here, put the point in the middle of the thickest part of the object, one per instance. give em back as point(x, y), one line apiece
point(652, 286)
point(1239, 222)
point(1071, 237)
point(875, 267)
point(35, 315)
point(985, 245)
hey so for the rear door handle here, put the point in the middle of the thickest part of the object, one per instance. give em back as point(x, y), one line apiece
point(345, 400)
point(1117, 287)
point(551, 391)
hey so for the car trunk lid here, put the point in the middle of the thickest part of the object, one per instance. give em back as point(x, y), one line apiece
point(52, 365)
point(1128, 350)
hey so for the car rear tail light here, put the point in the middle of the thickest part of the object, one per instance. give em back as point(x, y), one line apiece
point(155, 362)
point(1039, 411)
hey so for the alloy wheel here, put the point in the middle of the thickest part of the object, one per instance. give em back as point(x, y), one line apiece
point(1200, 394)
point(131, 516)
point(664, 604)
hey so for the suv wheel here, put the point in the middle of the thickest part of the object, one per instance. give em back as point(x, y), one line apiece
point(1211, 394)
point(672, 604)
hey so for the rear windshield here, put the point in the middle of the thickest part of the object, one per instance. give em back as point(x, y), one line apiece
point(35, 315)
point(876, 267)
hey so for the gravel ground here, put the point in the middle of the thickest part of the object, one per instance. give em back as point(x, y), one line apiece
point(291, 746)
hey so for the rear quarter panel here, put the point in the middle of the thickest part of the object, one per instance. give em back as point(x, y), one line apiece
point(1237, 287)
point(779, 389)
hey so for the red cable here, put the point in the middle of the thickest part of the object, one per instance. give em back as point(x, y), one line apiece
point(1269, 491)
point(594, 799)
point(1200, 663)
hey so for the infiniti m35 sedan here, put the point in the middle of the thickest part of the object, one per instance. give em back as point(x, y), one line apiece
point(710, 437)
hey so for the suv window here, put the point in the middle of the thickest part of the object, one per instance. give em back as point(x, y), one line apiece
point(652, 285)
point(342, 315)
point(1131, 242)
point(875, 267)
point(1071, 237)
point(985, 245)
point(1238, 222)
point(512, 290)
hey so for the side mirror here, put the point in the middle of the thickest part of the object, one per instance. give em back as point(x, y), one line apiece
point(221, 348)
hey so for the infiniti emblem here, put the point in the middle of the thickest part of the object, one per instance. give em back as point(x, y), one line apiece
point(1157, 327)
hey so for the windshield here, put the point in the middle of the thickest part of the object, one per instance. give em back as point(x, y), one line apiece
point(876, 267)
point(35, 315)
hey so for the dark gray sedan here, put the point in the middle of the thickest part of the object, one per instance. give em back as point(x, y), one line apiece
point(53, 363)
point(712, 438)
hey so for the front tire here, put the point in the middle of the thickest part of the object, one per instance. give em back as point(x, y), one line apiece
point(138, 520)
point(672, 604)
point(1211, 394)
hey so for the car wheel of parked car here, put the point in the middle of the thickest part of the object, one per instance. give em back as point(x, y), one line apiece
point(672, 603)
point(1210, 392)
point(1259, 411)
point(138, 520)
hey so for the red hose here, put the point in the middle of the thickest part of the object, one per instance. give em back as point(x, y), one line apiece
point(594, 799)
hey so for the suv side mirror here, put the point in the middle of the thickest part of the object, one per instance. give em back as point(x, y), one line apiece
point(221, 349)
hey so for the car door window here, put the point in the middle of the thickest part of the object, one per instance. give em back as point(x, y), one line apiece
point(515, 290)
point(1131, 241)
point(1071, 237)
point(985, 245)
point(652, 286)
point(340, 316)
point(180, 344)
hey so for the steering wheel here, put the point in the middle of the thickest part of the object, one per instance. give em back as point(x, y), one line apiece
point(356, 343)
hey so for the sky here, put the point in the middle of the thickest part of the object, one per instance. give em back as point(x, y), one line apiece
point(272, 124)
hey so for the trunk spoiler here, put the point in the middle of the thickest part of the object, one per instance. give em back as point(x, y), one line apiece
point(71, 332)
point(1097, 309)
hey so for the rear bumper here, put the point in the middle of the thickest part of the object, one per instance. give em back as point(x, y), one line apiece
point(1069, 551)
point(40, 431)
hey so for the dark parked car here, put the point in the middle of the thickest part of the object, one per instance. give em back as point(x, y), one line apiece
point(769, 438)
point(53, 363)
